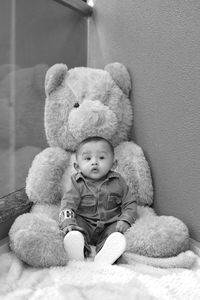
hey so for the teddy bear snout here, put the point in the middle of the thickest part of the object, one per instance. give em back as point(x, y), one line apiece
point(93, 117)
point(97, 118)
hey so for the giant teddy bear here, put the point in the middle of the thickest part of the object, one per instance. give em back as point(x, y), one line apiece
point(83, 102)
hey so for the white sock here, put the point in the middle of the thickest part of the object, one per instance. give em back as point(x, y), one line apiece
point(113, 248)
point(74, 245)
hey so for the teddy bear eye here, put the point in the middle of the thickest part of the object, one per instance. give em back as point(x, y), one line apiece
point(76, 104)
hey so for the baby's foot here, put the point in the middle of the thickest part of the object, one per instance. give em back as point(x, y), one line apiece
point(113, 248)
point(74, 245)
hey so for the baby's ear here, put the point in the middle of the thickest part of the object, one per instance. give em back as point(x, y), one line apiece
point(76, 166)
point(115, 164)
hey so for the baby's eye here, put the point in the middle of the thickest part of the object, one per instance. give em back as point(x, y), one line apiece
point(102, 157)
point(87, 158)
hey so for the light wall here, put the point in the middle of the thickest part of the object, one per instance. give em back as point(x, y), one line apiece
point(159, 42)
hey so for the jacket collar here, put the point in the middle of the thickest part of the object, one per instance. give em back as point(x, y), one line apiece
point(111, 174)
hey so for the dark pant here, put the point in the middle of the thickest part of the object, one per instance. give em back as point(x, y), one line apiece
point(95, 234)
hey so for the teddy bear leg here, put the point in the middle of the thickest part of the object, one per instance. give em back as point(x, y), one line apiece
point(157, 236)
point(37, 240)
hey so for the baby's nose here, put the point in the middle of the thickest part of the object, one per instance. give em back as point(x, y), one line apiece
point(94, 161)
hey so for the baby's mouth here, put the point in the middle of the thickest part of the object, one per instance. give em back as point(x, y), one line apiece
point(95, 170)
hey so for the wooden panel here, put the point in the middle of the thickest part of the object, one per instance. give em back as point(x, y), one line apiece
point(11, 206)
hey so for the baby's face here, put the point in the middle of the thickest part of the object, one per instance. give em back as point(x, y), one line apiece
point(95, 159)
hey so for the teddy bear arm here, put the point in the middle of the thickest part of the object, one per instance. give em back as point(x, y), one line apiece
point(133, 166)
point(44, 181)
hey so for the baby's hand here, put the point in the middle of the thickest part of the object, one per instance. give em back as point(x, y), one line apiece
point(122, 226)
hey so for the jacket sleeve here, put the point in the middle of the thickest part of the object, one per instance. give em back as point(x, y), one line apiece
point(69, 205)
point(128, 206)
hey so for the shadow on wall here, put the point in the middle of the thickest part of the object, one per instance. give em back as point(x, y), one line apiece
point(22, 133)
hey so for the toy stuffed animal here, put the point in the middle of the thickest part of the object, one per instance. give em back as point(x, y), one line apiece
point(84, 102)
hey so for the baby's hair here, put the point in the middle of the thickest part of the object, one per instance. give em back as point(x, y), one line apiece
point(95, 139)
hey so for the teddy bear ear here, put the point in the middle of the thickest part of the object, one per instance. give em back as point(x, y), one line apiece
point(55, 77)
point(120, 75)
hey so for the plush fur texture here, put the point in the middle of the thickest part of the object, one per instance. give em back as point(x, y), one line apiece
point(150, 235)
point(88, 280)
point(79, 103)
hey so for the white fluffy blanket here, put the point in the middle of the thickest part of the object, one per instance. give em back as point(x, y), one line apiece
point(87, 281)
